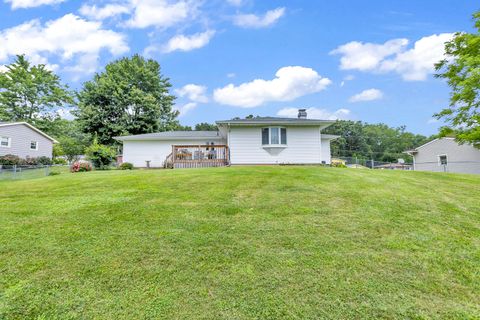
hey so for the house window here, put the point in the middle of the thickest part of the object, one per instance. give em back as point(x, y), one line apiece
point(442, 160)
point(33, 145)
point(5, 142)
point(274, 136)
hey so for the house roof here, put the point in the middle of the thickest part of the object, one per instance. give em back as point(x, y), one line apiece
point(276, 120)
point(410, 152)
point(172, 135)
point(4, 124)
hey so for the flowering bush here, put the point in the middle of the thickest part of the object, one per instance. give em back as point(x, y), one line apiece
point(81, 166)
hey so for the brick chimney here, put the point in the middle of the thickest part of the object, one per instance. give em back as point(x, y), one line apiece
point(302, 113)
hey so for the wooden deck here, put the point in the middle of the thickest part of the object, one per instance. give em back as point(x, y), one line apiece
point(197, 156)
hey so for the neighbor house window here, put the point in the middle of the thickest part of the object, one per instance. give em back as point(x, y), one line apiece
point(33, 145)
point(274, 136)
point(442, 160)
point(5, 142)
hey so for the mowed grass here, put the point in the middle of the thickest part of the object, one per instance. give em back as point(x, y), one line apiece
point(241, 243)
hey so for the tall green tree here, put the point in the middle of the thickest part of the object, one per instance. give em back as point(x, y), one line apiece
point(31, 92)
point(130, 97)
point(461, 69)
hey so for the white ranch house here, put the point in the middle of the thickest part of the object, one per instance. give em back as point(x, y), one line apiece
point(261, 140)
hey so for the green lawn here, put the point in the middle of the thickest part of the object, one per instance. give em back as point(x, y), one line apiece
point(28, 173)
point(241, 243)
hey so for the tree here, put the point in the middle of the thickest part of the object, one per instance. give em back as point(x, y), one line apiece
point(372, 141)
point(129, 97)
point(100, 155)
point(205, 126)
point(461, 69)
point(31, 93)
point(72, 148)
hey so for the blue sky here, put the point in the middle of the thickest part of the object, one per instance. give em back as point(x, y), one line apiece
point(359, 60)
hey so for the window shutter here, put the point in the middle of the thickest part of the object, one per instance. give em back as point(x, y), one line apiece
point(283, 135)
point(265, 137)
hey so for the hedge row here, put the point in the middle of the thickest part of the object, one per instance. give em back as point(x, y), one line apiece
point(11, 160)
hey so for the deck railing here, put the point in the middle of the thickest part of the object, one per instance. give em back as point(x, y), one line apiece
point(198, 156)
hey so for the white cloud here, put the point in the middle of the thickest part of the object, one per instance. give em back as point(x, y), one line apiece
point(110, 10)
point(367, 56)
point(186, 108)
point(3, 68)
point(21, 4)
point(315, 113)
point(187, 43)
point(415, 64)
point(70, 38)
point(392, 56)
point(367, 95)
point(255, 21)
point(231, 75)
point(160, 13)
point(432, 120)
point(290, 83)
point(193, 92)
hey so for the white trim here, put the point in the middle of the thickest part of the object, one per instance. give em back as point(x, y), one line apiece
point(36, 145)
point(9, 142)
point(440, 162)
point(274, 145)
point(31, 127)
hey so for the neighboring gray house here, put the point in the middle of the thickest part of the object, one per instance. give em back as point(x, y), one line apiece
point(446, 155)
point(24, 140)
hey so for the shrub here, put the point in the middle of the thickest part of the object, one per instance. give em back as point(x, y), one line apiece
point(10, 160)
point(100, 155)
point(46, 161)
point(126, 166)
point(29, 161)
point(338, 165)
point(60, 161)
point(54, 173)
point(81, 166)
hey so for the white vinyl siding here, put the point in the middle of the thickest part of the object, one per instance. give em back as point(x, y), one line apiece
point(304, 146)
point(460, 158)
point(138, 152)
point(21, 137)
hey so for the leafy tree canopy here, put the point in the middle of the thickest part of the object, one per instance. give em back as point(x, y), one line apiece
point(205, 126)
point(31, 93)
point(372, 141)
point(461, 69)
point(129, 97)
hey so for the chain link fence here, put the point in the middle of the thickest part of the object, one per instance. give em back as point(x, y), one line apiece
point(24, 172)
point(355, 162)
